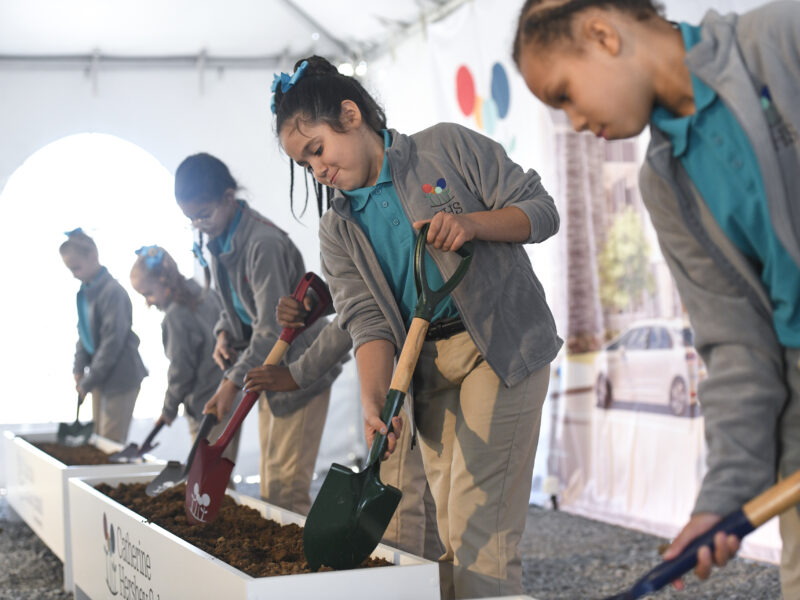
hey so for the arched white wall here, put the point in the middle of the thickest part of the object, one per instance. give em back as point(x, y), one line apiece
point(164, 112)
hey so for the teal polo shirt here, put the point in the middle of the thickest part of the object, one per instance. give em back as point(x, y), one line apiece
point(715, 151)
point(378, 211)
point(220, 245)
point(84, 327)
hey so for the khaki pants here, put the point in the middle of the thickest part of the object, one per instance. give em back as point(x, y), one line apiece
point(289, 447)
point(478, 444)
point(112, 414)
point(790, 462)
point(413, 527)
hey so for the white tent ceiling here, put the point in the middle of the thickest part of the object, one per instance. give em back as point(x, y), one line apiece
point(272, 30)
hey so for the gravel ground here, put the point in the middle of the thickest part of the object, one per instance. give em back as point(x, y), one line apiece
point(565, 557)
point(28, 570)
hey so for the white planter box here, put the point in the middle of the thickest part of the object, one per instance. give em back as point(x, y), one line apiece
point(37, 487)
point(164, 567)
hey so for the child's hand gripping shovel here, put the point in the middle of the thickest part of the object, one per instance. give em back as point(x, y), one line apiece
point(209, 471)
point(175, 472)
point(780, 497)
point(133, 451)
point(77, 433)
point(352, 510)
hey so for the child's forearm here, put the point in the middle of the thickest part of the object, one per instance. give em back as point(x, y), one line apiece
point(375, 360)
point(509, 224)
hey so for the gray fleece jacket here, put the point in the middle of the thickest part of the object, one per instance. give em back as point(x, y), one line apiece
point(729, 308)
point(115, 367)
point(188, 336)
point(500, 299)
point(263, 264)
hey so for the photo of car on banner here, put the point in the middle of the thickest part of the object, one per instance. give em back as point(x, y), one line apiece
point(652, 366)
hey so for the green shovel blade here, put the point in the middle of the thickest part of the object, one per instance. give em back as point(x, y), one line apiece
point(348, 518)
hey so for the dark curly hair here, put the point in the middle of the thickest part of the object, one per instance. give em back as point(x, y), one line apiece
point(544, 21)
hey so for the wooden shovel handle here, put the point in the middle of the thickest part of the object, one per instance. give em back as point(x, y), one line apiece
point(409, 355)
point(273, 358)
point(782, 495)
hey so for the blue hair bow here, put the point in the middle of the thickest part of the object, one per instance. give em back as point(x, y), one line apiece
point(198, 252)
point(73, 232)
point(286, 82)
point(153, 255)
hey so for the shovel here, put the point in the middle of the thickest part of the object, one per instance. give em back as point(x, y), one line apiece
point(77, 433)
point(780, 497)
point(176, 472)
point(352, 510)
point(209, 472)
point(133, 451)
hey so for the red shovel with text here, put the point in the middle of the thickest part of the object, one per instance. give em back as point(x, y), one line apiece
point(210, 472)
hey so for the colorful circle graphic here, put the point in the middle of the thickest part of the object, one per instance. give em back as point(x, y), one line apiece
point(465, 90)
point(489, 115)
point(501, 93)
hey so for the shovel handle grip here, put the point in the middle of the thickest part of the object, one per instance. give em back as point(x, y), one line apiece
point(324, 296)
point(394, 402)
point(781, 496)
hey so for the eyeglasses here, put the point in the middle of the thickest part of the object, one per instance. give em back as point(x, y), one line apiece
point(206, 216)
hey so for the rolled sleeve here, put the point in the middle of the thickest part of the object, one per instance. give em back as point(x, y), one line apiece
point(500, 182)
point(330, 348)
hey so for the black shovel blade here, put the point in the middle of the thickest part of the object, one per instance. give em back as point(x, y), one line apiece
point(126, 454)
point(176, 472)
point(74, 434)
point(348, 517)
point(171, 475)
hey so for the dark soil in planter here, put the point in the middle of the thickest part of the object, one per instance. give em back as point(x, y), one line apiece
point(74, 455)
point(240, 536)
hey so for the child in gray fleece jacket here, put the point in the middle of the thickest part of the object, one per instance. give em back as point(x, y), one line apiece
point(254, 263)
point(107, 362)
point(483, 370)
point(187, 331)
point(721, 183)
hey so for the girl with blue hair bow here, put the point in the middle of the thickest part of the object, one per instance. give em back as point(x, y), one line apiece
point(190, 314)
point(483, 370)
point(107, 362)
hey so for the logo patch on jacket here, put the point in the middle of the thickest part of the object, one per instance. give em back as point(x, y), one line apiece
point(441, 197)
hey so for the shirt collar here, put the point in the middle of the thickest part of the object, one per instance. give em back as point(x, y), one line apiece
point(359, 197)
point(677, 128)
point(95, 279)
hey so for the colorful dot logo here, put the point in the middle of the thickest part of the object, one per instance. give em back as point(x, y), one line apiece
point(438, 194)
point(487, 111)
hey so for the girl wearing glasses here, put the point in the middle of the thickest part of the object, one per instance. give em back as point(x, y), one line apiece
point(254, 263)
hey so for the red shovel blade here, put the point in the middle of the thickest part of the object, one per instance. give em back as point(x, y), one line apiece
point(209, 472)
point(205, 486)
